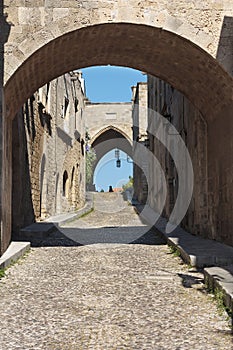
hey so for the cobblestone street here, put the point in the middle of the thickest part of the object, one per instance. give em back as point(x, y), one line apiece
point(110, 295)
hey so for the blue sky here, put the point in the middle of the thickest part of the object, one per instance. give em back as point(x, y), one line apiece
point(111, 84)
point(106, 172)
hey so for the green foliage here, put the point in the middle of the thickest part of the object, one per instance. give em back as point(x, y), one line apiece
point(101, 190)
point(87, 213)
point(174, 251)
point(90, 161)
point(219, 297)
point(2, 273)
point(129, 184)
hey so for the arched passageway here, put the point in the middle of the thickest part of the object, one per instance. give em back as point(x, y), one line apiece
point(158, 52)
point(109, 139)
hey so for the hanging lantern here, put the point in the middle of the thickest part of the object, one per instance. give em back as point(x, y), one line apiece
point(118, 163)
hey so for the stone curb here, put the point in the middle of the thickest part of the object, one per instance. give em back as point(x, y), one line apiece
point(195, 250)
point(221, 278)
point(73, 216)
point(205, 252)
point(40, 231)
point(13, 253)
point(37, 231)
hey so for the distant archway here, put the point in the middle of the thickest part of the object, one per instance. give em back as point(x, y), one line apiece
point(108, 139)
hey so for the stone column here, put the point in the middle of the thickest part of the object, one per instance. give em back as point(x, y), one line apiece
point(5, 146)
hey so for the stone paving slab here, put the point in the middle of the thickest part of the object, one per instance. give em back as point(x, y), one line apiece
point(13, 253)
point(195, 250)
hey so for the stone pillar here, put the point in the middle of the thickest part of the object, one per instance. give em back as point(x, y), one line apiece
point(5, 147)
point(220, 168)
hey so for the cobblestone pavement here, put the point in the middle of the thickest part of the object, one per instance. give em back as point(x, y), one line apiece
point(108, 296)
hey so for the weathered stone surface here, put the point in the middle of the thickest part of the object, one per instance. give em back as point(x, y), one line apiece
point(99, 116)
point(109, 126)
point(208, 26)
point(140, 137)
point(108, 296)
point(49, 141)
point(220, 279)
point(15, 251)
point(210, 211)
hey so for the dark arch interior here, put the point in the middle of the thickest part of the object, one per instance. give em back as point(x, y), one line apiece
point(108, 140)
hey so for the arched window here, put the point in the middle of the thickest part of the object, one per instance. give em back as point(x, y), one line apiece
point(64, 187)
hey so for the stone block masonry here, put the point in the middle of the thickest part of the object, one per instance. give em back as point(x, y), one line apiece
point(48, 142)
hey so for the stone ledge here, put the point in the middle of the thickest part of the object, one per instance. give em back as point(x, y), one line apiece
point(13, 253)
point(221, 278)
point(37, 231)
point(195, 250)
point(67, 217)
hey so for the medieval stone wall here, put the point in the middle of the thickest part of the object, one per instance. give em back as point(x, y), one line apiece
point(48, 38)
point(109, 126)
point(191, 126)
point(100, 116)
point(199, 21)
point(48, 141)
point(64, 150)
point(139, 119)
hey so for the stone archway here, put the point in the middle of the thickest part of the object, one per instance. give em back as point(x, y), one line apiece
point(112, 133)
point(110, 138)
point(156, 51)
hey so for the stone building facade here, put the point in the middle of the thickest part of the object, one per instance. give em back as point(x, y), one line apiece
point(190, 125)
point(139, 121)
point(100, 116)
point(49, 155)
point(109, 126)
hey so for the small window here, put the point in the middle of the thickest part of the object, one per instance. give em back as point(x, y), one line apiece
point(76, 102)
point(65, 181)
point(65, 107)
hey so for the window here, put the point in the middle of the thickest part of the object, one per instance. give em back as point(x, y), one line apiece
point(76, 102)
point(65, 107)
point(65, 181)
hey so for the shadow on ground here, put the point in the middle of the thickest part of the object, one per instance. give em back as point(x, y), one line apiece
point(188, 281)
point(68, 236)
